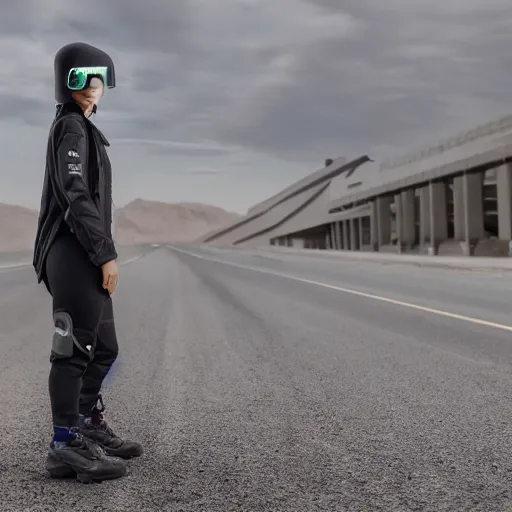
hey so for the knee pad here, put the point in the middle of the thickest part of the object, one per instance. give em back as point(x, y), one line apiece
point(68, 341)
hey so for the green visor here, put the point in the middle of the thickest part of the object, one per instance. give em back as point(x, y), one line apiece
point(79, 78)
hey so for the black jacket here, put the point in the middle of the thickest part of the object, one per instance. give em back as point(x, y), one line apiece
point(77, 189)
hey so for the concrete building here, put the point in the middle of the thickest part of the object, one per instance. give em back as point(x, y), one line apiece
point(451, 198)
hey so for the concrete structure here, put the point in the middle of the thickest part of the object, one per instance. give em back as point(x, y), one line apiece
point(452, 198)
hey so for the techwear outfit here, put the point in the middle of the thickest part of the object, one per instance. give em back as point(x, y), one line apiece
point(73, 241)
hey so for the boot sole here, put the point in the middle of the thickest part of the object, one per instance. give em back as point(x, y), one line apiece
point(60, 470)
point(60, 473)
point(88, 478)
point(67, 472)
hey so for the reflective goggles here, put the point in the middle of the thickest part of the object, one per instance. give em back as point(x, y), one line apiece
point(78, 78)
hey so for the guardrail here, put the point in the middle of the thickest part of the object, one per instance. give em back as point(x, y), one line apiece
point(496, 126)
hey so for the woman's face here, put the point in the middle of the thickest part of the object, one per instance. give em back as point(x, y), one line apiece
point(90, 97)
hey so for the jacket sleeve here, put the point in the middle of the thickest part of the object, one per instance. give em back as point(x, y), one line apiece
point(70, 180)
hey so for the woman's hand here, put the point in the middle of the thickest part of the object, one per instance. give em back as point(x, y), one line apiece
point(110, 276)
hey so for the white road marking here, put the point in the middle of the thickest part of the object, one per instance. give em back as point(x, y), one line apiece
point(14, 266)
point(127, 262)
point(351, 291)
point(7, 269)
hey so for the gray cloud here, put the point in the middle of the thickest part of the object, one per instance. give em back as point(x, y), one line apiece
point(202, 172)
point(265, 89)
point(170, 147)
point(26, 109)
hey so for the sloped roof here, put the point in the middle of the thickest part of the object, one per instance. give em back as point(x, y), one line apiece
point(314, 179)
point(310, 180)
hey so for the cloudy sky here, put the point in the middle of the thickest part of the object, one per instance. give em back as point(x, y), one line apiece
point(227, 101)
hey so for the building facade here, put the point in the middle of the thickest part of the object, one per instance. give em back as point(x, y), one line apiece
point(451, 198)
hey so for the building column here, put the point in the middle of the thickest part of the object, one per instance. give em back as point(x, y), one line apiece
point(438, 216)
point(334, 244)
point(458, 208)
point(374, 226)
point(425, 216)
point(399, 222)
point(468, 213)
point(408, 217)
point(504, 189)
point(339, 241)
point(465, 182)
point(353, 234)
point(327, 241)
point(346, 246)
point(383, 220)
point(473, 203)
point(361, 234)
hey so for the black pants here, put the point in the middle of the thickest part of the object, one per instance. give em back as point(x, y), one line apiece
point(76, 287)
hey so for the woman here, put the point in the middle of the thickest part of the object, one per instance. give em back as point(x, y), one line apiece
point(75, 256)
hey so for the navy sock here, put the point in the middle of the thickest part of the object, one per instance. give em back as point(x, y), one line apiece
point(62, 435)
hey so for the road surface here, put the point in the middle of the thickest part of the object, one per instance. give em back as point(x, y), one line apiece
point(256, 387)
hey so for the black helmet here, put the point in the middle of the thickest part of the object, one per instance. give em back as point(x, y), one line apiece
point(75, 64)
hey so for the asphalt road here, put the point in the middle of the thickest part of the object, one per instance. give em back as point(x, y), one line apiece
point(257, 391)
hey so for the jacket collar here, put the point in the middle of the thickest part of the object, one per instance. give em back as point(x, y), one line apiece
point(72, 106)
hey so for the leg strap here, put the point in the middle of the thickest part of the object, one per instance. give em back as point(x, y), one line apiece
point(65, 340)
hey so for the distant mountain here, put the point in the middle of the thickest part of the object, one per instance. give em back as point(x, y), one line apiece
point(138, 222)
point(17, 227)
point(153, 222)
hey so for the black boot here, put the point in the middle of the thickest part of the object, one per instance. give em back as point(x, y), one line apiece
point(96, 429)
point(83, 460)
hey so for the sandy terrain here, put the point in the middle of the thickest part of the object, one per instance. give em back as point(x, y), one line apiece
point(138, 222)
point(153, 222)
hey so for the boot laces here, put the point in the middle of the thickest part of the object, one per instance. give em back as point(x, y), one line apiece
point(103, 425)
point(98, 421)
point(88, 445)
